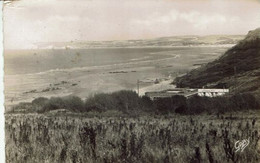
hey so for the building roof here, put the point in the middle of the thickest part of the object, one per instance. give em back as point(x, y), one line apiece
point(172, 92)
point(214, 90)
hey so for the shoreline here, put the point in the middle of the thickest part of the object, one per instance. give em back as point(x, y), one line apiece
point(162, 85)
point(130, 47)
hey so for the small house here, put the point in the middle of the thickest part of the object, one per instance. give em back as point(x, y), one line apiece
point(212, 92)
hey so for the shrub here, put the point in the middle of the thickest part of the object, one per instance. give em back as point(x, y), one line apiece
point(147, 104)
point(179, 102)
point(238, 102)
point(170, 104)
point(99, 102)
point(129, 102)
point(125, 101)
point(197, 104)
point(163, 105)
point(39, 103)
point(220, 105)
point(244, 101)
point(22, 107)
point(73, 103)
point(53, 104)
point(181, 109)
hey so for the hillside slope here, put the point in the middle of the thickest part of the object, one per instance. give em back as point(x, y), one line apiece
point(238, 69)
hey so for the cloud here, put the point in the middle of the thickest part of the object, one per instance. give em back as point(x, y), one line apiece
point(196, 21)
point(202, 21)
point(30, 21)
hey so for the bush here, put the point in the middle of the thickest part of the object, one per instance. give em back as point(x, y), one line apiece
point(73, 103)
point(197, 105)
point(181, 109)
point(164, 105)
point(146, 104)
point(22, 107)
point(238, 102)
point(100, 102)
point(125, 101)
point(39, 103)
point(244, 101)
point(220, 105)
point(170, 104)
point(53, 104)
point(130, 103)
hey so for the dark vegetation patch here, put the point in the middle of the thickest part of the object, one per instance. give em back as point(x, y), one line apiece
point(117, 72)
point(52, 87)
point(128, 102)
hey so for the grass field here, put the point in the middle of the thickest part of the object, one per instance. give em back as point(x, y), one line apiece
point(171, 138)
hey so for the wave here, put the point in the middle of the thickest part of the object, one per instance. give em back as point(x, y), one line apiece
point(139, 59)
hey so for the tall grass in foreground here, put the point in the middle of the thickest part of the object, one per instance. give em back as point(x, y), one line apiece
point(203, 138)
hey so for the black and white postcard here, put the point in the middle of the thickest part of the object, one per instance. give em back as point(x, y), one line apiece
point(131, 81)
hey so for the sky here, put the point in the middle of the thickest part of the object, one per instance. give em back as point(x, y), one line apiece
point(27, 22)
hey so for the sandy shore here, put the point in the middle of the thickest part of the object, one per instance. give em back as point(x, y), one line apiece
point(83, 83)
point(163, 85)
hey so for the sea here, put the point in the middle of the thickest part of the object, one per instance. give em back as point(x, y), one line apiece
point(85, 72)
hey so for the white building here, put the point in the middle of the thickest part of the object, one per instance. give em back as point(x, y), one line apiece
point(212, 92)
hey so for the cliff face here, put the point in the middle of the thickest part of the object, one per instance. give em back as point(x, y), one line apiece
point(238, 69)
